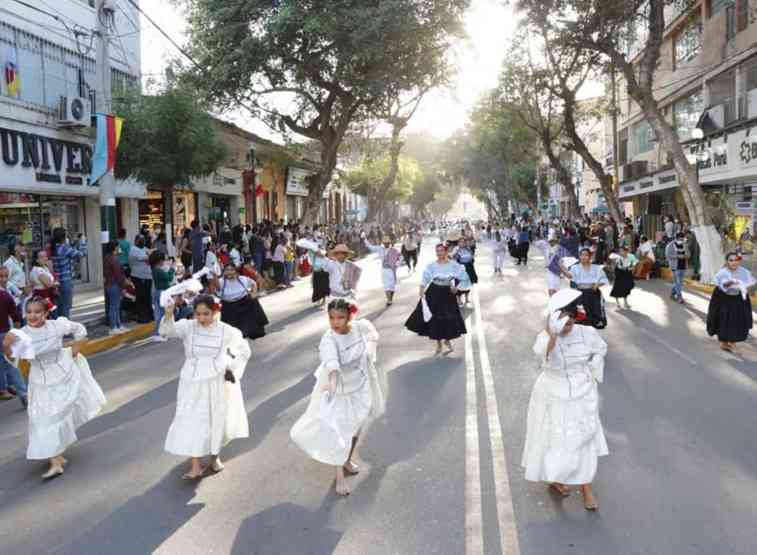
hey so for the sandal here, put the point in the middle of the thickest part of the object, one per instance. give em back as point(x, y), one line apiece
point(351, 468)
point(560, 490)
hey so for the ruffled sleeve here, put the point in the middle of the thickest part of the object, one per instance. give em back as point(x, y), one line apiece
point(172, 328)
point(428, 275)
point(329, 353)
point(67, 327)
point(540, 347)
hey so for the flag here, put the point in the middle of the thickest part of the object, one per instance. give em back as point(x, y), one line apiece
point(12, 78)
point(108, 136)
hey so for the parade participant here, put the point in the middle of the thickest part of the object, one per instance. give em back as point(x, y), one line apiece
point(349, 388)
point(729, 315)
point(63, 394)
point(589, 278)
point(624, 284)
point(410, 245)
point(564, 435)
point(390, 261)
point(553, 253)
point(320, 280)
point(438, 290)
point(239, 304)
point(336, 266)
point(646, 259)
point(500, 249)
point(249, 270)
point(464, 256)
point(209, 406)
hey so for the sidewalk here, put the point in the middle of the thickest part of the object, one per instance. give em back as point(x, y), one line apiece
point(89, 305)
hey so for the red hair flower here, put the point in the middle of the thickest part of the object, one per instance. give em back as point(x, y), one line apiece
point(353, 309)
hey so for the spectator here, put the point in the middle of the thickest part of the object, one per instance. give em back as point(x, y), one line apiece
point(197, 236)
point(163, 274)
point(677, 253)
point(9, 374)
point(16, 268)
point(115, 281)
point(124, 248)
point(63, 255)
point(41, 278)
point(185, 250)
point(141, 275)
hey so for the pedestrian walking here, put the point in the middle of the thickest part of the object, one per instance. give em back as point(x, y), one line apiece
point(729, 315)
point(349, 389)
point(500, 250)
point(564, 435)
point(239, 304)
point(437, 315)
point(523, 245)
point(465, 256)
point(63, 394)
point(677, 254)
point(210, 409)
point(410, 245)
point(390, 261)
point(589, 278)
point(624, 282)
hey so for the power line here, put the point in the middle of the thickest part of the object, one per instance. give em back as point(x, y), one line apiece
point(128, 17)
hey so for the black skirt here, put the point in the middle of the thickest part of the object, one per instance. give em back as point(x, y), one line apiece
point(729, 317)
point(624, 284)
point(513, 248)
point(321, 287)
point(247, 315)
point(594, 306)
point(471, 270)
point(446, 321)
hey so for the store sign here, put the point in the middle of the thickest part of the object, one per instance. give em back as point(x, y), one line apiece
point(297, 184)
point(45, 159)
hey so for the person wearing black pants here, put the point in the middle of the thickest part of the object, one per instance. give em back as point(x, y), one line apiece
point(524, 243)
point(141, 276)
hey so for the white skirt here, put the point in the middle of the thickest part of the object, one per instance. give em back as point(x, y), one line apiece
point(209, 414)
point(351, 410)
point(564, 435)
point(389, 277)
point(62, 398)
point(554, 283)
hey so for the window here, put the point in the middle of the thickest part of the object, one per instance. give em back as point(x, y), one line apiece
point(717, 6)
point(643, 138)
point(688, 41)
point(686, 114)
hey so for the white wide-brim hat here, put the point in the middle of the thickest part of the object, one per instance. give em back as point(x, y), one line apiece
point(562, 298)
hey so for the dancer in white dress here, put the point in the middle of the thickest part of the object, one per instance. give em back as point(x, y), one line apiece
point(63, 394)
point(390, 261)
point(349, 388)
point(564, 435)
point(209, 405)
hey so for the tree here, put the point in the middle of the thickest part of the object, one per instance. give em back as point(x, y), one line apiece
point(167, 138)
point(315, 68)
point(607, 28)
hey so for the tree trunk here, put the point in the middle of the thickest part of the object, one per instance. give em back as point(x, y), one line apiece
point(563, 177)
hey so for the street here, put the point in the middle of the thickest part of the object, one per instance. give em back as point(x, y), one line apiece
point(441, 471)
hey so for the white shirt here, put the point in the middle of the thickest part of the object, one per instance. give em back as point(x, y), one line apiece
point(16, 273)
point(36, 280)
point(336, 276)
point(235, 289)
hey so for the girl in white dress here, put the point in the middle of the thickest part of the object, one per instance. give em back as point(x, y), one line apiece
point(564, 436)
point(349, 388)
point(63, 394)
point(209, 406)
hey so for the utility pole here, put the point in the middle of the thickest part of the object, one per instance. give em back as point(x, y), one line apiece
point(104, 105)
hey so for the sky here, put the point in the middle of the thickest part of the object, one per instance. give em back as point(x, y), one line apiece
point(489, 25)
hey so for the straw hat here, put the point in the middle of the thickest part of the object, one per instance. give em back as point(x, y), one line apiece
point(386, 239)
point(453, 235)
point(341, 248)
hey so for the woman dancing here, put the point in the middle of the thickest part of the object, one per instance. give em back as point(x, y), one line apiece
point(464, 255)
point(209, 406)
point(440, 320)
point(240, 306)
point(589, 278)
point(729, 315)
point(564, 436)
point(349, 388)
point(63, 395)
point(624, 282)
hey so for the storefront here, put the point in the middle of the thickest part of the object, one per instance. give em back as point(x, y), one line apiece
point(296, 193)
point(219, 198)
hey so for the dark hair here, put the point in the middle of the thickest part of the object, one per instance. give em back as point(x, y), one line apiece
point(122, 234)
point(139, 241)
point(583, 250)
point(156, 258)
point(37, 299)
point(35, 257)
point(58, 237)
point(643, 239)
point(110, 247)
point(207, 300)
point(442, 245)
point(230, 265)
point(732, 253)
point(343, 305)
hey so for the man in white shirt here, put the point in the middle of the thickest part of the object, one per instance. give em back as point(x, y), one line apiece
point(336, 266)
point(16, 269)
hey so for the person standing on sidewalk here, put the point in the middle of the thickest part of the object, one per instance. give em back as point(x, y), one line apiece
point(115, 281)
point(16, 268)
point(124, 248)
point(63, 256)
point(163, 274)
point(141, 275)
point(696, 254)
point(197, 237)
point(10, 376)
point(677, 253)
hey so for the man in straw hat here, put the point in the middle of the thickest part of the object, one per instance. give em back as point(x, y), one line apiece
point(390, 261)
point(343, 275)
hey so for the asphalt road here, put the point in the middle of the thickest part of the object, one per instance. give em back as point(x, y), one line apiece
point(439, 475)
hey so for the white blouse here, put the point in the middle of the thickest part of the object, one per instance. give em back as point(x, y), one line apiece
point(234, 290)
point(443, 274)
point(741, 276)
point(588, 276)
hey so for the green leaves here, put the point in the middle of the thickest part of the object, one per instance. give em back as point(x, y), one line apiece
point(167, 139)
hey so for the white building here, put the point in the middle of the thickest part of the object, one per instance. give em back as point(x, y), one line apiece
point(47, 52)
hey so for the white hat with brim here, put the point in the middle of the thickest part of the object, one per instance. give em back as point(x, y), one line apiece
point(453, 236)
point(341, 249)
point(562, 298)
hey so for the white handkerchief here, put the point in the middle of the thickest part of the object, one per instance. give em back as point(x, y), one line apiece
point(327, 415)
point(427, 315)
point(569, 261)
point(307, 244)
point(23, 348)
point(741, 287)
point(188, 285)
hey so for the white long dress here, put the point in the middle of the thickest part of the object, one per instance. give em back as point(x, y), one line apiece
point(360, 393)
point(63, 394)
point(390, 260)
point(564, 434)
point(209, 409)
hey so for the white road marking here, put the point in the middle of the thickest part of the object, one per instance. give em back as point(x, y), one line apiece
point(668, 346)
point(474, 528)
point(508, 534)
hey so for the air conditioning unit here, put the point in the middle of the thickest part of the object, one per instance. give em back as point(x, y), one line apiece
point(74, 112)
point(717, 115)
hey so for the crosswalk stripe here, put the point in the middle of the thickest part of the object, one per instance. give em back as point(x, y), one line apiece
point(505, 513)
point(474, 536)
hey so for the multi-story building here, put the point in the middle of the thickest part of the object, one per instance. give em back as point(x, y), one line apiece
point(47, 53)
point(706, 80)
